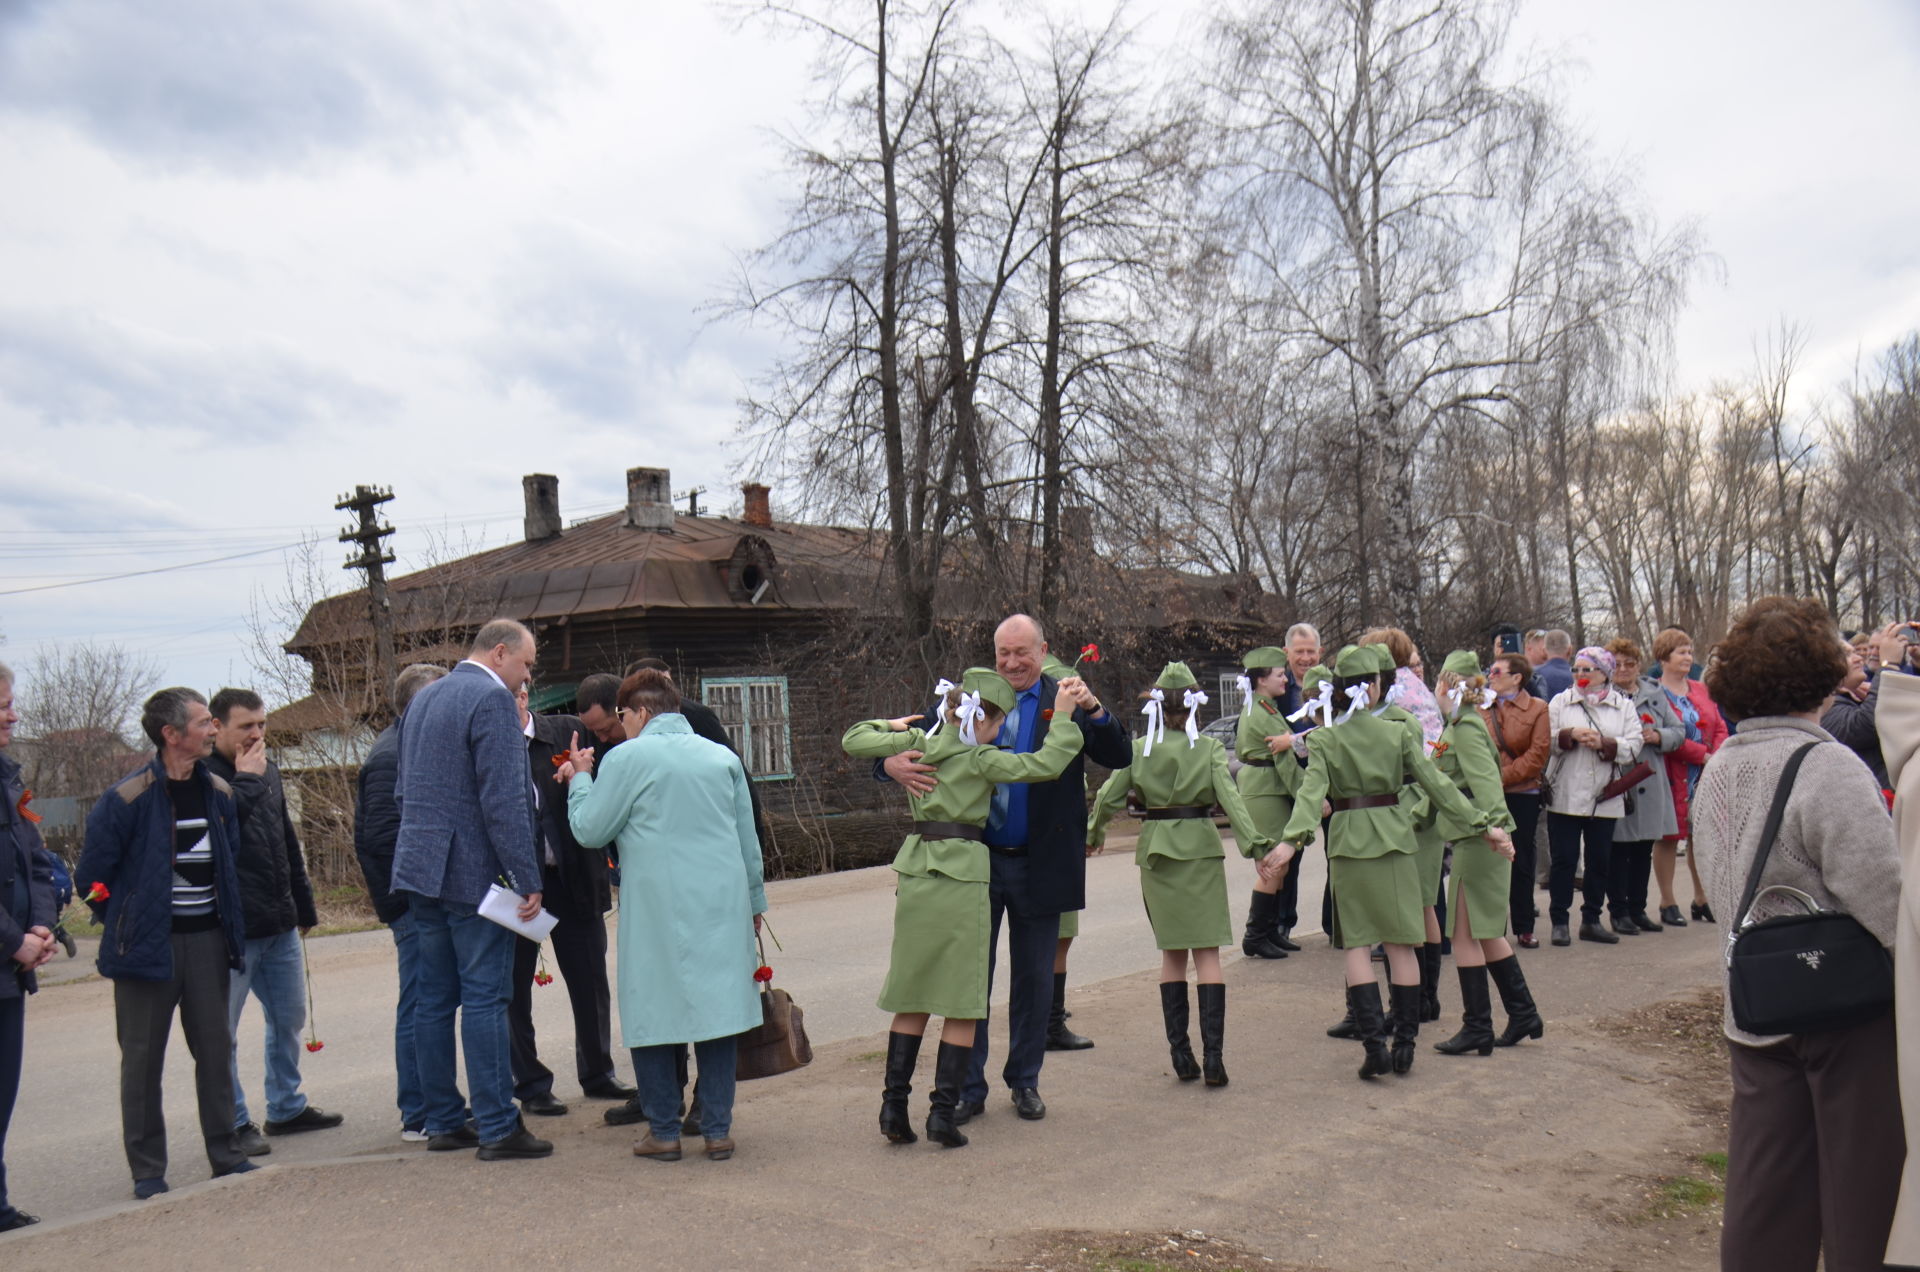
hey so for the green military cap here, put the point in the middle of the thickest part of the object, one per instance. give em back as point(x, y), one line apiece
point(1315, 677)
point(1268, 656)
point(1382, 657)
point(1175, 675)
point(1462, 662)
point(1052, 666)
point(1360, 660)
point(991, 686)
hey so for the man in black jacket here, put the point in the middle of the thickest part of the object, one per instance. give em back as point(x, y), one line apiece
point(275, 899)
point(26, 931)
point(1037, 835)
point(576, 892)
point(376, 825)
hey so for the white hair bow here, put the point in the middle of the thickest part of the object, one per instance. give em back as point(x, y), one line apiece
point(969, 713)
point(1321, 706)
point(940, 692)
point(1357, 698)
point(1245, 686)
point(1487, 698)
point(1191, 699)
point(1156, 713)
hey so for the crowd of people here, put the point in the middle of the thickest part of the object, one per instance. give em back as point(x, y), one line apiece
point(1425, 795)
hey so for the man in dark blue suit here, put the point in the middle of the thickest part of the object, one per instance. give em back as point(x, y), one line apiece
point(26, 931)
point(1037, 835)
point(466, 819)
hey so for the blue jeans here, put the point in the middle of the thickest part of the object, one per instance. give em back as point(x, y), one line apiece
point(274, 975)
point(656, 1072)
point(1032, 940)
point(466, 965)
point(406, 1065)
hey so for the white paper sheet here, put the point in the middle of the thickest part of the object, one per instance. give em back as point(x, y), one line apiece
point(503, 907)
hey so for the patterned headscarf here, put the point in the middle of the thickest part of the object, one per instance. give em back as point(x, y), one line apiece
point(1599, 658)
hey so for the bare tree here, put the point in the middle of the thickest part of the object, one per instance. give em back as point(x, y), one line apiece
point(81, 715)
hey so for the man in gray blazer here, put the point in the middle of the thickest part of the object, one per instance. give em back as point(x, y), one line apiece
point(466, 819)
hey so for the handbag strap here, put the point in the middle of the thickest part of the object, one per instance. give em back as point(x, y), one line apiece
point(1769, 833)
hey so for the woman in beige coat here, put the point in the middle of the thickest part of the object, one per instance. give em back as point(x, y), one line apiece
point(1898, 717)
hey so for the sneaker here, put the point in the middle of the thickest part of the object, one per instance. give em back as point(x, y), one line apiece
point(307, 1119)
point(249, 1141)
point(414, 1134)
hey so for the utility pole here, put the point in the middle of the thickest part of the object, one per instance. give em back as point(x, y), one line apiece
point(693, 499)
point(374, 559)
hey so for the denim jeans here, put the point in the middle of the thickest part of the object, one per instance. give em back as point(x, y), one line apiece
point(657, 1074)
point(274, 975)
point(406, 1065)
point(465, 965)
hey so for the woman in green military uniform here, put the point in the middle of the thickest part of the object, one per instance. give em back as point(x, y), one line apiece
point(1268, 777)
point(1183, 876)
point(1359, 764)
point(1481, 878)
point(941, 924)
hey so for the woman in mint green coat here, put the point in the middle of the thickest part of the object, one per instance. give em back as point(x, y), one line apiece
point(1482, 876)
point(942, 929)
point(1183, 877)
point(691, 896)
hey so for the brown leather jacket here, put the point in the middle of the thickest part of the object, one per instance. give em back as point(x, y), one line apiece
point(1519, 730)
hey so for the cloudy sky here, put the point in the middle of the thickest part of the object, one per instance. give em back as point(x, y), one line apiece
point(256, 254)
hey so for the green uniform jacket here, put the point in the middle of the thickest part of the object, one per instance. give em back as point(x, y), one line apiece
point(1177, 775)
point(1370, 755)
point(1412, 798)
point(1276, 774)
point(968, 775)
point(1469, 760)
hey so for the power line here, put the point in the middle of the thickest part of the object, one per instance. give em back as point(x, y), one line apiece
point(158, 569)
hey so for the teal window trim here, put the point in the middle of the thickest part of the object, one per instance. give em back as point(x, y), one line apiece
point(745, 685)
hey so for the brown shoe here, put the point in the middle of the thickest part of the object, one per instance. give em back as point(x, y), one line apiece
point(659, 1150)
point(718, 1150)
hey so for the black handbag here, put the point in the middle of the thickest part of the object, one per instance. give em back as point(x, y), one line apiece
point(1801, 973)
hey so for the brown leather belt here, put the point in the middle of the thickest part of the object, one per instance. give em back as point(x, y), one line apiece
point(949, 830)
point(1266, 763)
point(1364, 801)
point(1180, 812)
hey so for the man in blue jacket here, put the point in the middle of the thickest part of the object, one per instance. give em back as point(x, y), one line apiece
point(466, 821)
point(26, 931)
point(160, 850)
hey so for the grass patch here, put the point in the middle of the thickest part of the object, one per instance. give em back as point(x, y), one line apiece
point(1676, 1196)
point(868, 1057)
point(1137, 1252)
point(78, 920)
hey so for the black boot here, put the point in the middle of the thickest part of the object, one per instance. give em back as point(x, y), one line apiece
point(1476, 1016)
point(1363, 1005)
point(1347, 1028)
point(903, 1052)
point(1523, 1018)
point(1173, 1010)
point(1059, 1037)
point(1406, 1025)
point(949, 1071)
point(1429, 982)
point(1213, 1032)
point(1263, 920)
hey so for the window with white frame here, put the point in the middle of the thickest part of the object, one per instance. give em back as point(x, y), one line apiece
point(753, 710)
point(1229, 701)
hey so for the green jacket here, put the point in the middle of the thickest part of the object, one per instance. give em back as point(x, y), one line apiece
point(1265, 773)
point(1467, 757)
point(968, 775)
point(1371, 755)
point(1177, 775)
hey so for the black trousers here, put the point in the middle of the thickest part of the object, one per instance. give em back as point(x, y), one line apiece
point(143, 1017)
point(1627, 876)
point(580, 950)
point(1288, 896)
point(1565, 835)
point(13, 1038)
point(1525, 808)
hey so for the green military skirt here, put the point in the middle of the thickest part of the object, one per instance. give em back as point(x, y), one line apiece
point(1069, 925)
point(1378, 899)
point(1481, 877)
point(1431, 854)
point(1270, 814)
point(941, 936)
point(1186, 902)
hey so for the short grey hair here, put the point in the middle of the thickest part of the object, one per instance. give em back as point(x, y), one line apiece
point(1559, 643)
point(1302, 629)
point(1039, 632)
point(411, 680)
point(167, 709)
point(510, 632)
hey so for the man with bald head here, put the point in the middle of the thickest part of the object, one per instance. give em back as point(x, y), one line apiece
point(1036, 834)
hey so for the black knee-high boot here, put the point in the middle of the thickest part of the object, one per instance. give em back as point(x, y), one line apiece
point(1213, 1032)
point(1173, 1010)
point(1430, 982)
point(949, 1072)
point(1263, 921)
point(1363, 1005)
point(1476, 1013)
point(1059, 1037)
point(903, 1052)
point(1406, 1025)
point(1523, 1018)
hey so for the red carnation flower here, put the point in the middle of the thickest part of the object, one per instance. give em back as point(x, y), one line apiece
point(97, 893)
point(762, 974)
point(315, 1044)
point(1088, 653)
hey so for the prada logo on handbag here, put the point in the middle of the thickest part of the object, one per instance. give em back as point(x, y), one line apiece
point(1812, 958)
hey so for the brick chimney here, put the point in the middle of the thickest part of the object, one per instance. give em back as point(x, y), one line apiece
point(757, 510)
point(543, 506)
point(649, 499)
